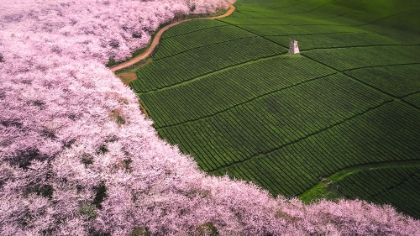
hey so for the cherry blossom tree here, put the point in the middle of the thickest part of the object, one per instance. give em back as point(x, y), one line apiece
point(78, 157)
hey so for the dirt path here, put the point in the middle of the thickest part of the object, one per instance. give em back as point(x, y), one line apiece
point(157, 38)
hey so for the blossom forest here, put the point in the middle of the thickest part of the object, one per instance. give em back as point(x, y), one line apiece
point(79, 158)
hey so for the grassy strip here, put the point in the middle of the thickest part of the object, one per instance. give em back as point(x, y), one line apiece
point(325, 189)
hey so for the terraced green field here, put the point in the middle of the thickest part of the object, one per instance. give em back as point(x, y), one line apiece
point(398, 186)
point(227, 93)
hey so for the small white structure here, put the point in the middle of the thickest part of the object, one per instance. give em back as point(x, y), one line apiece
point(293, 49)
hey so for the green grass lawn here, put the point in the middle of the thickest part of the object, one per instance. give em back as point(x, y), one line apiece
point(227, 93)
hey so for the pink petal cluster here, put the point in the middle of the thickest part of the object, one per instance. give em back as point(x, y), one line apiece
point(71, 131)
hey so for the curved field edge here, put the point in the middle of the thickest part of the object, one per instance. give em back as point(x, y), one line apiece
point(146, 52)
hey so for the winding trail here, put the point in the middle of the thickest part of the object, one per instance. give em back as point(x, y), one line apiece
point(157, 38)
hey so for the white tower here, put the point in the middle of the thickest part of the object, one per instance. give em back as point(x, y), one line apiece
point(293, 49)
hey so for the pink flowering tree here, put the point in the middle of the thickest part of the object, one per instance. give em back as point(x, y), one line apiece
point(78, 157)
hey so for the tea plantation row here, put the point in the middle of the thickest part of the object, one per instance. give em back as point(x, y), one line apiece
point(227, 93)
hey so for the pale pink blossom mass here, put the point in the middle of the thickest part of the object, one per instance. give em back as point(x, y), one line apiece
point(79, 158)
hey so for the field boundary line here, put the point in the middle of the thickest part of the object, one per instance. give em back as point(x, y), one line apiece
point(409, 94)
point(314, 9)
point(343, 173)
point(262, 36)
point(157, 38)
point(380, 90)
point(361, 46)
point(247, 101)
point(362, 82)
point(211, 44)
point(386, 17)
point(337, 70)
point(303, 138)
point(335, 16)
point(411, 104)
point(252, 61)
point(405, 179)
point(198, 30)
point(303, 1)
point(268, 35)
point(378, 66)
point(352, 77)
point(289, 24)
point(366, 84)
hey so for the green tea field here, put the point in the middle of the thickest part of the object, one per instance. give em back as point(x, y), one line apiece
point(228, 93)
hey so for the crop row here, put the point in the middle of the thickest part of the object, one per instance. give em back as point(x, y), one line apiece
point(370, 183)
point(293, 29)
point(375, 136)
point(192, 139)
point(196, 39)
point(396, 80)
point(398, 187)
point(318, 11)
point(278, 175)
point(350, 58)
point(250, 14)
point(281, 122)
point(286, 15)
point(275, 120)
point(191, 26)
point(198, 62)
point(333, 40)
point(414, 99)
point(338, 11)
point(220, 91)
